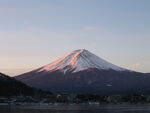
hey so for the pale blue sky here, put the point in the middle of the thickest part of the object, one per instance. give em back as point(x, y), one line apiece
point(35, 32)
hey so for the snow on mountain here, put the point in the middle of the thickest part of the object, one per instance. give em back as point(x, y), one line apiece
point(79, 60)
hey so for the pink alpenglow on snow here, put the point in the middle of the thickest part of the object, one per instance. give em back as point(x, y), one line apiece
point(79, 60)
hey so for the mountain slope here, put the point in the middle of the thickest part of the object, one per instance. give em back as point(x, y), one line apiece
point(83, 72)
point(11, 87)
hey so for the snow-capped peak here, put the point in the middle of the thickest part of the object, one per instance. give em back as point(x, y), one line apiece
point(79, 60)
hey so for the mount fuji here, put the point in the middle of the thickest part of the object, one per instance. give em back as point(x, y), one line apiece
point(83, 72)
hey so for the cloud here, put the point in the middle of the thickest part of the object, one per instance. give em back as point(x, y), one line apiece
point(137, 66)
point(90, 28)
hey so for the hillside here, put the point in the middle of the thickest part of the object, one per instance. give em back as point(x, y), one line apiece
point(12, 87)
